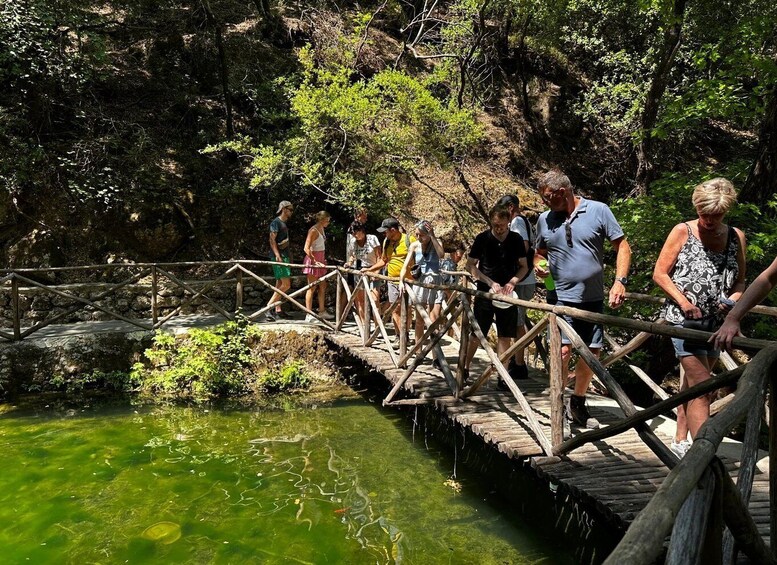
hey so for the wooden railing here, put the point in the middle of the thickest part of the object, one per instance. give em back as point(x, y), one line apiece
point(696, 486)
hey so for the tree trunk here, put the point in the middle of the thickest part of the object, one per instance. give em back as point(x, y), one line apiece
point(223, 70)
point(672, 40)
point(761, 183)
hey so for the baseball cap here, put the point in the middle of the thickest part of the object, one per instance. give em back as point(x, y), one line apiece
point(284, 204)
point(387, 224)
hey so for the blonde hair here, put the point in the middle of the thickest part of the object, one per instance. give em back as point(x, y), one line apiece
point(322, 215)
point(715, 196)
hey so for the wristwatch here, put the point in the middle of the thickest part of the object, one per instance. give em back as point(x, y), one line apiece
point(623, 280)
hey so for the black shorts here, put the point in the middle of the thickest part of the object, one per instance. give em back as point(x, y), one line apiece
point(591, 333)
point(506, 318)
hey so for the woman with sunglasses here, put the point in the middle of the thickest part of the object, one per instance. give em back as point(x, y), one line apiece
point(701, 268)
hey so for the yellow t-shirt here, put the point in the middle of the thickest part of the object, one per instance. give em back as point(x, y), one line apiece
point(396, 254)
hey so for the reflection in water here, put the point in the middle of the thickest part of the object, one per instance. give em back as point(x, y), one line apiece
point(336, 484)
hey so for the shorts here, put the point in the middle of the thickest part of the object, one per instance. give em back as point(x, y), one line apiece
point(687, 348)
point(393, 292)
point(524, 292)
point(592, 334)
point(312, 271)
point(282, 271)
point(506, 318)
point(428, 296)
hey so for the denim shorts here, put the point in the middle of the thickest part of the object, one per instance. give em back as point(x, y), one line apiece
point(686, 348)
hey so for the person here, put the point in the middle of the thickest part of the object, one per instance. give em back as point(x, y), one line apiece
point(497, 262)
point(279, 244)
point(425, 253)
point(701, 268)
point(755, 293)
point(571, 236)
point(456, 252)
point(359, 217)
point(315, 249)
point(393, 253)
point(363, 252)
point(525, 288)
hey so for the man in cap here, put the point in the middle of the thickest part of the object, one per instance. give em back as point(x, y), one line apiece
point(279, 243)
point(394, 252)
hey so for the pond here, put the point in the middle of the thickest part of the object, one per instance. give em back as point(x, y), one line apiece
point(340, 482)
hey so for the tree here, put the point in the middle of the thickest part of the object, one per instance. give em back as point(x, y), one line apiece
point(761, 185)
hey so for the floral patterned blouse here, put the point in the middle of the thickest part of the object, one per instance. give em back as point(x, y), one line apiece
point(703, 276)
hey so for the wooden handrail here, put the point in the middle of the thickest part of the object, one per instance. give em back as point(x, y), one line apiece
point(643, 541)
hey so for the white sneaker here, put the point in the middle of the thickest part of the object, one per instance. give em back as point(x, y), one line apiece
point(680, 448)
point(310, 319)
point(326, 315)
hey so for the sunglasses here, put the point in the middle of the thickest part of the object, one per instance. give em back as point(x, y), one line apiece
point(568, 231)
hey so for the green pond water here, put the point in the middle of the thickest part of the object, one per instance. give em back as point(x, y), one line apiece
point(343, 482)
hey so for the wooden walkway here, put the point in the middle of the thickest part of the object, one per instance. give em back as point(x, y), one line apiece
point(617, 476)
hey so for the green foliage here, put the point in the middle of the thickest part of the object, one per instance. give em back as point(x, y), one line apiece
point(291, 376)
point(355, 136)
point(648, 220)
point(203, 364)
point(116, 381)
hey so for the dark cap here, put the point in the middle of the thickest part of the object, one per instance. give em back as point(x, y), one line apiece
point(387, 224)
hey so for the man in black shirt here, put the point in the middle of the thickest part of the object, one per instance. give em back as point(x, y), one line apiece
point(497, 261)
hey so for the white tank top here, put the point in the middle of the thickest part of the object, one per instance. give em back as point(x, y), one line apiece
point(320, 242)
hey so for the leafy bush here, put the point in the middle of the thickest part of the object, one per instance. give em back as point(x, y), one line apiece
point(202, 364)
point(291, 376)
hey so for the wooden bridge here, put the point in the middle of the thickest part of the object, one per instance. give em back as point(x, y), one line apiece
point(625, 469)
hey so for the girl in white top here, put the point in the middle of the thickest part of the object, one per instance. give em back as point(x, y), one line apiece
point(363, 252)
point(315, 246)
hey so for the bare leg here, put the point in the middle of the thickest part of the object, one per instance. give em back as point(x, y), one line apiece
point(681, 433)
point(583, 373)
point(322, 297)
point(697, 411)
point(520, 356)
point(283, 285)
point(309, 293)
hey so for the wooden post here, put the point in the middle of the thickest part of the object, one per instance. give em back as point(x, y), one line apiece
point(556, 383)
point(773, 459)
point(154, 294)
point(402, 323)
point(17, 318)
point(339, 298)
point(367, 323)
point(748, 461)
point(238, 291)
point(463, 346)
point(687, 540)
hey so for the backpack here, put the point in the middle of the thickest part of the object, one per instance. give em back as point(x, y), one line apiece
point(531, 251)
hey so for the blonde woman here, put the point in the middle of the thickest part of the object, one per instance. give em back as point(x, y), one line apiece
point(315, 249)
point(701, 268)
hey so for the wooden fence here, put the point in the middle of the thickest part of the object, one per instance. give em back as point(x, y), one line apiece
point(689, 503)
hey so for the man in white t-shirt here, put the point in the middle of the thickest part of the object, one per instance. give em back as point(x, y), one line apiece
point(525, 288)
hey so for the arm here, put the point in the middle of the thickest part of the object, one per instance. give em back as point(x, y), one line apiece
point(664, 265)
point(274, 245)
point(622, 264)
point(409, 258)
point(762, 285)
point(739, 284)
point(380, 262)
point(438, 248)
point(523, 268)
point(312, 236)
point(477, 274)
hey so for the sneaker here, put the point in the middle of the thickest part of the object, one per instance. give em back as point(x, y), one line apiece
point(517, 372)
point(579, 414)
point(325, 315)
point(680, 448)
point(436, 364)
point(310, 319)
point(269, 316)
point(501, 385)
point(280, 314)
